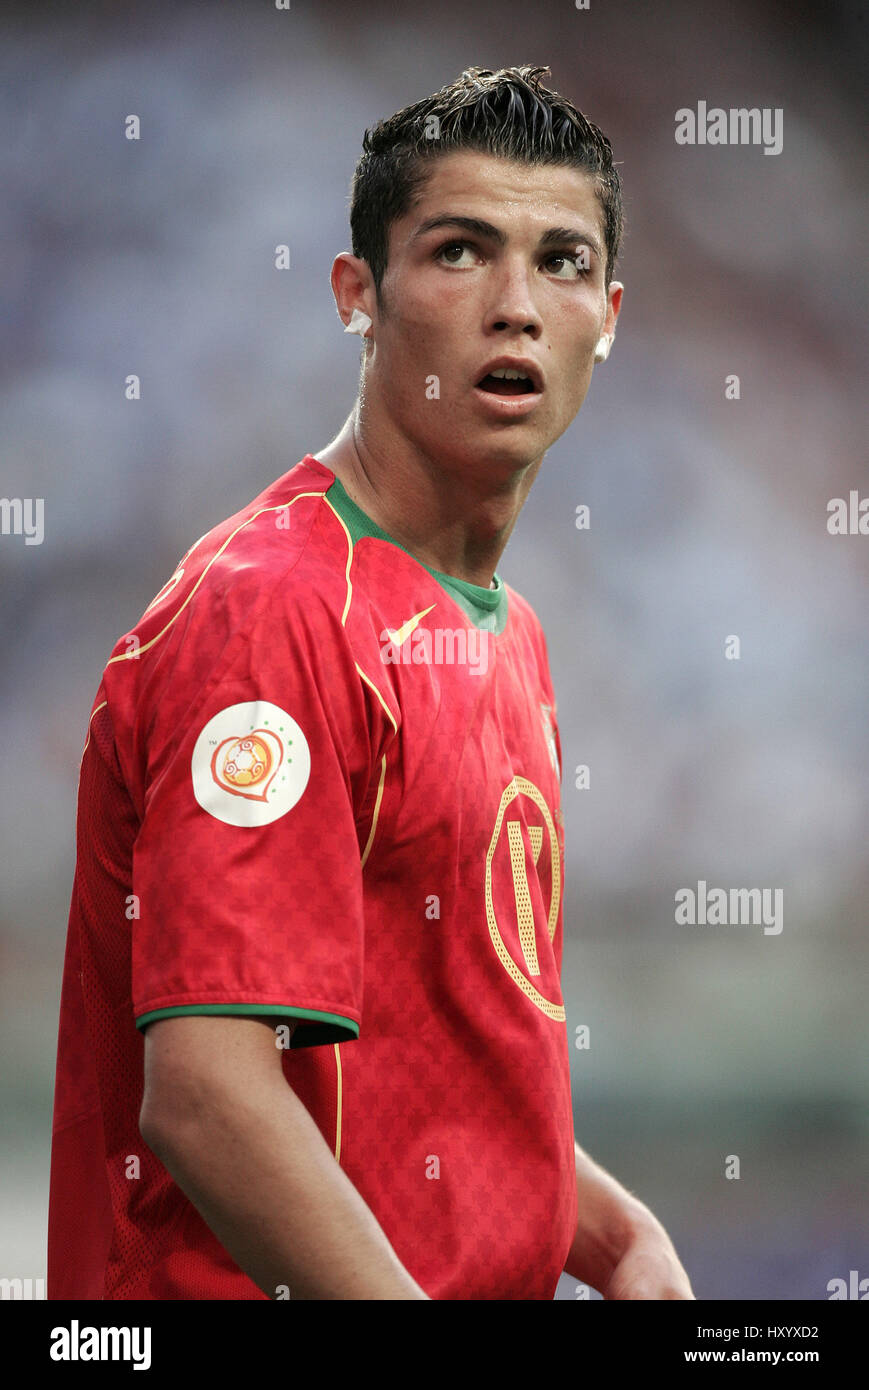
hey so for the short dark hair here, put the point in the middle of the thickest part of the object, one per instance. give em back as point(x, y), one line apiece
point(508, 113)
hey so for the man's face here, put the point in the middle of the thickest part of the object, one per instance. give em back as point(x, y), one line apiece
point(455, 298)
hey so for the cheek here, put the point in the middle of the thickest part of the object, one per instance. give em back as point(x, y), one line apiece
point(578, 351)
point(440, 307)
point(422, 332)
point(574, 379)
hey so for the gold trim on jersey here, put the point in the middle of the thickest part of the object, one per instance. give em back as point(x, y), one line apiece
point(338, 1089)
point(367, 679)
point(367, 849)
point(369, 682)
point(343, 525)
point(94, 713)
point(133, 655)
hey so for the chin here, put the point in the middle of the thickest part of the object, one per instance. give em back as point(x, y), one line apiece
point(511, 453)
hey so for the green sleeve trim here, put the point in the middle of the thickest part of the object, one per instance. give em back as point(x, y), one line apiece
point(326, 1028)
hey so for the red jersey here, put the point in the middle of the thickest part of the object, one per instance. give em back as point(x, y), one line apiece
point(321, 782)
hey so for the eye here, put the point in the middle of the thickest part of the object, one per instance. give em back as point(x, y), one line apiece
point(572, 263)
point(451, 246)
point(569, 264)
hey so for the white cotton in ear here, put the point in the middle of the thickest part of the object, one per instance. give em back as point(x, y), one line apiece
point(602, 351)
point(359, 323)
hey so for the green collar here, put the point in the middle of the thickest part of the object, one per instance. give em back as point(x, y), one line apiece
point(486, 608)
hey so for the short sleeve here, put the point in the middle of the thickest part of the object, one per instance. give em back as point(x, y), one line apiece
point(256, 776)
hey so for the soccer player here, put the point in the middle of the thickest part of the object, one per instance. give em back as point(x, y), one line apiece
point(312, 1039)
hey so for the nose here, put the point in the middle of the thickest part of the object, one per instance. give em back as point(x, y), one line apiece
point(512, 305)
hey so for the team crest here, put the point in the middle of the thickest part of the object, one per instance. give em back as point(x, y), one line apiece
point(523, 894)
point(251, 764)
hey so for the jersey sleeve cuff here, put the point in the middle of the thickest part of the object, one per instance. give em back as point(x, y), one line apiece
point(318, 1027)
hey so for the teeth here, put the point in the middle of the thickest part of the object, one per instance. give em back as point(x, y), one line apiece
point(507, 374)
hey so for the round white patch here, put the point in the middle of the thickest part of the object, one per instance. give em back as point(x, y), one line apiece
point(251, 764)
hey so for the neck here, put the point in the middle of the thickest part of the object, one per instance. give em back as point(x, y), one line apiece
point(450, 521)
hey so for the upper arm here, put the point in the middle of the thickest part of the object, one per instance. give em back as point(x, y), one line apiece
point(190, 1058)
point(257, 791)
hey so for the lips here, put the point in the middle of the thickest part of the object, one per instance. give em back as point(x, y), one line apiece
point(500, 386)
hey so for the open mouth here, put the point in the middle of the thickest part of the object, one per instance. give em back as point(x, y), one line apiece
point(506, 386)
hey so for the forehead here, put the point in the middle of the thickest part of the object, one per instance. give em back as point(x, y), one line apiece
point(509, 193)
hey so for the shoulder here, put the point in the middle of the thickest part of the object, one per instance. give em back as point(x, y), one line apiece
point(525, 617)
point(529, 640)
point(280, 559)
point(261, 595)
point(253, 616)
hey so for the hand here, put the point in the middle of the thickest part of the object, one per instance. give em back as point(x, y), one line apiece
point(649, 1269)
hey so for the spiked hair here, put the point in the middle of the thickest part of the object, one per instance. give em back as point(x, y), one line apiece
point(509, 113)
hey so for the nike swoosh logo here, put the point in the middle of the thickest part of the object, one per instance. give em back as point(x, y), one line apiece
point(401, 634)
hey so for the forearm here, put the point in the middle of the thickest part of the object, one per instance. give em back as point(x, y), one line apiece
point(257, 1168)
point(610, 1218)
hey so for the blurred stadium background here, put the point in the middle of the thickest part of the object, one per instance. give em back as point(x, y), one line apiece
point(708, 518)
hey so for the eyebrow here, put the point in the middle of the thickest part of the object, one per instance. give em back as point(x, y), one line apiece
point(553, 236)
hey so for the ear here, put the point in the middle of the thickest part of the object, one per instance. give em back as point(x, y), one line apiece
point(353, 289)
point(359, 323)
point(613, 306)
